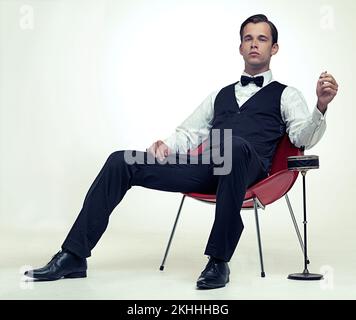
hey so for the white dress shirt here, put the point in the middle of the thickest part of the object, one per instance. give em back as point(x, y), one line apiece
point(303, 128)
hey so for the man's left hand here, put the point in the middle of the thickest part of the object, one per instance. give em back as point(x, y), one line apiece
point(326, 90)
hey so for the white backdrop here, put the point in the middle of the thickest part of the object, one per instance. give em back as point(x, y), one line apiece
point(80, 79)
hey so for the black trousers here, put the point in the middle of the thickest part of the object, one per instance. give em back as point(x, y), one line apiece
point(117, 177)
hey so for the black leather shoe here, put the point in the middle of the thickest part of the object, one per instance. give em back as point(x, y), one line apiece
point(62, 265)
point(215, 275)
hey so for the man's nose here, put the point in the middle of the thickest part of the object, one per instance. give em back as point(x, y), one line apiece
point(254, 44)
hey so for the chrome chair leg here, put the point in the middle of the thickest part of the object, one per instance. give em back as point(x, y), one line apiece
point(258, 237)
point(172, 234)
point(295, 225)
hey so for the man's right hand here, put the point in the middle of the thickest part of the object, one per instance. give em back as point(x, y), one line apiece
point(159, 150)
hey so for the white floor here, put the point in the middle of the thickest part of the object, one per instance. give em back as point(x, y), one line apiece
point(125, 266)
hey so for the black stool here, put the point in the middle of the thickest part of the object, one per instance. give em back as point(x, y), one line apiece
point(303, 164)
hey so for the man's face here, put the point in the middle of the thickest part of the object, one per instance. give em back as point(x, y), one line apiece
point(256, 46)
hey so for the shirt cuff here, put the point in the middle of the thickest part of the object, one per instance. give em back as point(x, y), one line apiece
point(318, 117)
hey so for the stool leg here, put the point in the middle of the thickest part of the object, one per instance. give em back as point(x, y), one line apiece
point(259, 237)
point(171, 236)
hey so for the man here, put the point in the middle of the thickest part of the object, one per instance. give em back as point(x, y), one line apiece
point(257, 110)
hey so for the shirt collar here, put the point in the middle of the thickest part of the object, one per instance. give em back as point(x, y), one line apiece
point(267, 75)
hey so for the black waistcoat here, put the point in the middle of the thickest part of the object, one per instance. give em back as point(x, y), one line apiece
point(258, 120)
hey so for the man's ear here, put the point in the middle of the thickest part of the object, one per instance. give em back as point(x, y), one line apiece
point(240, 48)
point(275, 49)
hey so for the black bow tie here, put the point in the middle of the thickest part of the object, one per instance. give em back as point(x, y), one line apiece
point(258, 81)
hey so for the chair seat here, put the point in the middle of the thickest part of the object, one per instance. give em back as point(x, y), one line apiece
point(265, 190)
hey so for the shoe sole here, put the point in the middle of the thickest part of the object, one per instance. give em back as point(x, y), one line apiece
point(74, 275)
point(207, 286)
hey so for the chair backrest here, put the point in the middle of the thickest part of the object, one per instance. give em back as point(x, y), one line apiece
point(280, 179)
point(199, 149)
point(284, 150)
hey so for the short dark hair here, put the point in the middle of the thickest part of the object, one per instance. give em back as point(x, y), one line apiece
point(260, 18)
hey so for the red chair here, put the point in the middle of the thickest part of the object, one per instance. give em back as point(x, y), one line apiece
point(279, 181)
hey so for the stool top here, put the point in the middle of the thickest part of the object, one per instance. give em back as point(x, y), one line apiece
point(303, 163)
